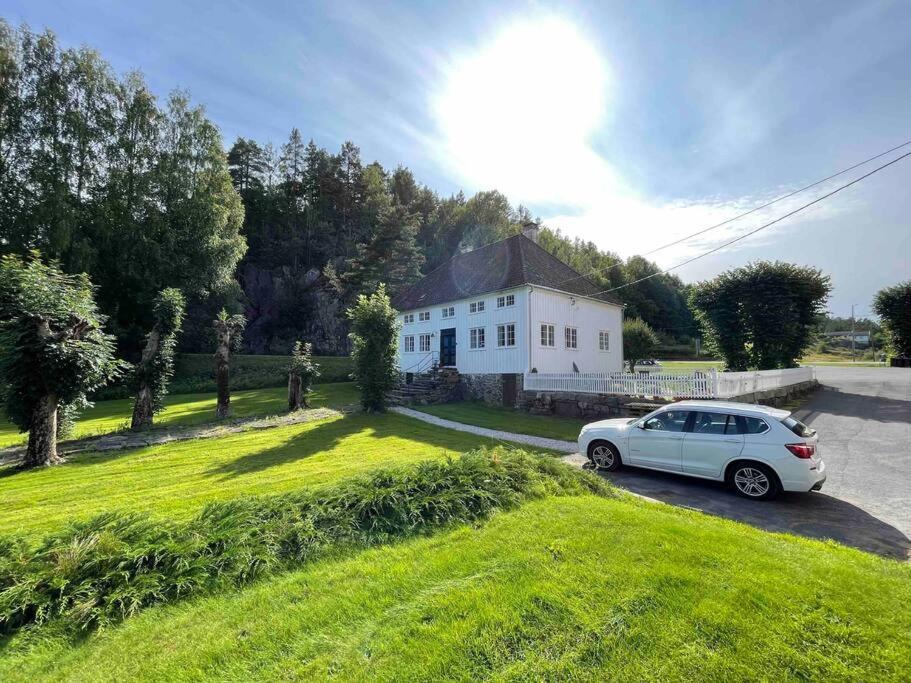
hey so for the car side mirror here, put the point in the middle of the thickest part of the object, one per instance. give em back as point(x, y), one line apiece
point(640, 425)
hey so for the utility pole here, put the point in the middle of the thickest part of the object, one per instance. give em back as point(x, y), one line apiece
point(852, 334)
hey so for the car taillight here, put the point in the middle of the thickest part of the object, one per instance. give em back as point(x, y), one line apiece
point(802, 450)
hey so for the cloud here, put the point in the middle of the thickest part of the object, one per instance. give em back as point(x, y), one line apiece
point(538, 150)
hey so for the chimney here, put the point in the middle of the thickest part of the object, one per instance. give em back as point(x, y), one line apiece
point(531, 230)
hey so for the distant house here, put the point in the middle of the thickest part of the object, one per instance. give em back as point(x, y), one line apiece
point(505, 309)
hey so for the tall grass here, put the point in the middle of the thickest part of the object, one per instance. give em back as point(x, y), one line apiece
point(112, 566)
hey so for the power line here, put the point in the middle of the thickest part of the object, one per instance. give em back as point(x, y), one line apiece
point(761, 227)
point(747, 213)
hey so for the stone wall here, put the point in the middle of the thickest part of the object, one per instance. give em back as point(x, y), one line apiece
point(587, 406)
point(602, 406)
point(776, 397)
point(483, 387)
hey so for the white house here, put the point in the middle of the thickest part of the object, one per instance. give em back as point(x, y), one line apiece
point(506, 309)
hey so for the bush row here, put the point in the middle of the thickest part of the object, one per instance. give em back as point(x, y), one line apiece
point(107, 569)
point(195, 373)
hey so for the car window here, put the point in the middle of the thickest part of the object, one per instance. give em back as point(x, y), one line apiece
point(668, 421)
point(798, 427)
point(746, 425)
point(710, 423)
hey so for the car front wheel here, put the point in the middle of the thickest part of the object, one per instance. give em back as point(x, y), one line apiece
point(754, 481)
point(604, 456)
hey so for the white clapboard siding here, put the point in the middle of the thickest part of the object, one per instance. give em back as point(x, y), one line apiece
point(668, 385)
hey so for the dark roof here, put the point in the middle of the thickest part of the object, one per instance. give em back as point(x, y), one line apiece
point(512, 262)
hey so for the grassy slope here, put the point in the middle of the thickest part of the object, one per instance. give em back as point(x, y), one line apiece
point(567, 588)
point(506, 419)
point(189, 409)
point(174, 480)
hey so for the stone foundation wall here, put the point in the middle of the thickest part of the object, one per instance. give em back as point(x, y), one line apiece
point(487, 388)
point(776, 397)
point(587, 406)
point(602, 406)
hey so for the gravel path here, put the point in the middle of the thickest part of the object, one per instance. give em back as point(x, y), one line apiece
point(536, 441)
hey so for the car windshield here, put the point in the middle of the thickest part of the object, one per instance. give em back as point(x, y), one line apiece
point(798, 427)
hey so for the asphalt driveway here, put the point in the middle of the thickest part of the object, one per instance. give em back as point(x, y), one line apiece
point(863, 416)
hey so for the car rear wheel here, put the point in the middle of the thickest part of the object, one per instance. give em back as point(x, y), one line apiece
point(604, 456)
point(754, 480)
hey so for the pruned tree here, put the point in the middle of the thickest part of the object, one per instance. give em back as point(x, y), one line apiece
point(639, 341)
point(156, 365)
point(229, 331)
point(53, 350)
point(762, 315)
point(893, 306)
point(373, 336)
point(301, 373)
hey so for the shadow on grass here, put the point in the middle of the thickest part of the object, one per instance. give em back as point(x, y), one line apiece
point(367, 428)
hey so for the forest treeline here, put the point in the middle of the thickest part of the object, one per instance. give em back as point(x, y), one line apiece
point(99, 174)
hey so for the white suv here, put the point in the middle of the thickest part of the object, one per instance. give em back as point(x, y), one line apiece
point(758, 450)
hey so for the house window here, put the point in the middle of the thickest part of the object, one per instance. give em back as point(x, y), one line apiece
point(507, 300)
point(423, 316)
point(547, 335)
point(572, 338)
point(425, 343)
point(449, 312)
point(409, 344)
point(506, 335)
point(476, 338)
point(408, 318)
point(604, 340)
point(476, 307)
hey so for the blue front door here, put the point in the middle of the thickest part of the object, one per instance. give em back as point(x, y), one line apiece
point(448, 347)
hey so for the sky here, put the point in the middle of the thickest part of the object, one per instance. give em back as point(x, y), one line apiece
point(630, 124)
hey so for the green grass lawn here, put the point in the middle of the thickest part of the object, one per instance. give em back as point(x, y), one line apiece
point(578, 588)
point(174, 480)
point(190, 409)
point(507, 419)
point(691, 365)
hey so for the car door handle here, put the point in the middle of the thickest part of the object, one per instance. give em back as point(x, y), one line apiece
point(732, 440)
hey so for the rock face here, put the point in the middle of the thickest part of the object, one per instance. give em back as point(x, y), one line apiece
point(283, 306)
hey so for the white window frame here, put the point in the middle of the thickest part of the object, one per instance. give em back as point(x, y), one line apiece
point(408, 318)
point(476, 307)
point(505, 327)
point(604, 335)
point(425, 347)
point(571, 334)
point(423, 316)
point(408, 344)
point(448, 312)
point(548, 338)
point(506, 300)
point(477, 339)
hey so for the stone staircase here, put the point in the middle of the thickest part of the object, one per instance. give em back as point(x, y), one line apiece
point(425, 389)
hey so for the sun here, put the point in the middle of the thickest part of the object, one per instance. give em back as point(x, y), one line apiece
point(529, 99)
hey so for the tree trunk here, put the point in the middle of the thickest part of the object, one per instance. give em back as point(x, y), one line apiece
point(295, 392)
point(142, 406)
point(222, 378)
point(142, 409)
point(42, 434)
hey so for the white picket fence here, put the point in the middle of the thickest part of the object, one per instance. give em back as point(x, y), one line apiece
point(709, 384)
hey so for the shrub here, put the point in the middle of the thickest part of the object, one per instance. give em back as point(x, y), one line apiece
point(373, 336)
point(110, 567)
point(762, 315)
point(302, 371)
point(639, 341)
point(893, 305)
